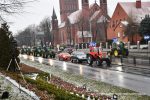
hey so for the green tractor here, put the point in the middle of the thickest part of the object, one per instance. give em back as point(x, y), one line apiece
point(37, 51)
point(118, 49)
point(48, 53)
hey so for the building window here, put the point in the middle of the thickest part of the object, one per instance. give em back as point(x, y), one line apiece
point(113, 24)
point(116, 21)
point(118, 12)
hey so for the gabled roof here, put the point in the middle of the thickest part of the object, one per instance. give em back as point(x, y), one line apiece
point(62, 25)
point(102, 19)
point(138, 13)
point(93, 5)
point(95, 15)
point(54, 14)
point(75, 16)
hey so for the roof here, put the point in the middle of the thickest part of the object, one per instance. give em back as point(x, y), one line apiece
point(54, 14)
point(62, 25)
point(91, 5)
point(85, 34)
point(138, 13)
point(75, 16)
point(95, 15)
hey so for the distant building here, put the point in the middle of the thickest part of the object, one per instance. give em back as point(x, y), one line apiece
point(125, 10)
point(82, 26)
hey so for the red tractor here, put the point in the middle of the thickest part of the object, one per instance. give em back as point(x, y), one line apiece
point(97, 55)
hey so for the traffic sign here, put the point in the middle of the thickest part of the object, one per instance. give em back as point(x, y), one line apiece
point(92, 44)
point(115, 40)
point(146, 37)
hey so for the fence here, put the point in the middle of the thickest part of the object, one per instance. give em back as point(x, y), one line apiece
point(142, 62)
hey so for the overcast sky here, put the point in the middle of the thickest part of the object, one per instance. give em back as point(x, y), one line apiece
point(35, 12)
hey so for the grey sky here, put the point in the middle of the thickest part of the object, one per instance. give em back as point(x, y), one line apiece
point(36, 11)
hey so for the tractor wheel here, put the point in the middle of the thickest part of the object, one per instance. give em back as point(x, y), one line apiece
point(72, 60)
point(99, 62)
point(90, 60)
point(78, 61)
point(108, 62)
point(125, 52)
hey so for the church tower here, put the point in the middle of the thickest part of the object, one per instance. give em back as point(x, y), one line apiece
point(67, 7)
point(85, 4)
point(103, 5)
point(55, 32)
point(54, 21)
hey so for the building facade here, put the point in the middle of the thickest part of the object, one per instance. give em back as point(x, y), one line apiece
point(81, 26)
point(124, 12)
point(67, 7)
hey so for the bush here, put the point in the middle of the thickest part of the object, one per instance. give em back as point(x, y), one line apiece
point(60, 94)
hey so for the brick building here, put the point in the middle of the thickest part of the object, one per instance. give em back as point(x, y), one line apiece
point(55, 31)
point(84, 25)
point(120, 19)
point(67, 7)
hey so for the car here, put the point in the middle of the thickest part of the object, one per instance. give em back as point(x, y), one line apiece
point(78, 57)
point(64, 56)
point(68, 50)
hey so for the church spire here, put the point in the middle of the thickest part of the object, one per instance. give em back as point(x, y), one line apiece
point(54, 14)
point(95, 1)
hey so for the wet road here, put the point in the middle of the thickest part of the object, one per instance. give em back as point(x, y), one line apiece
point(130, 81)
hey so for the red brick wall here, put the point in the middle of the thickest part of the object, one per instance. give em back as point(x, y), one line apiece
point(67, 7)
point(114, 26)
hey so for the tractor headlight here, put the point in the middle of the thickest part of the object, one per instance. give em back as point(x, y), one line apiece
point(108, 54)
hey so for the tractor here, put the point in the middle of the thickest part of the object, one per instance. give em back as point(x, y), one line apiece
point(118, 49)
point(48, 53)
point(97, 55)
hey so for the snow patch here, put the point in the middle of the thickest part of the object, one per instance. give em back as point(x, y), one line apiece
point(30, 93)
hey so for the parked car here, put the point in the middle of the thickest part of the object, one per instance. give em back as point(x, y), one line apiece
point(78, 57)
point(69, 50)
point(64, 56)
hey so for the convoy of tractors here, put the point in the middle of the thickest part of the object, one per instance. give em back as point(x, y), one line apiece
point(95, 54)
point(44, 52)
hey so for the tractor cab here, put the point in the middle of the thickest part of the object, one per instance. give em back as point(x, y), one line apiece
point(96, 51)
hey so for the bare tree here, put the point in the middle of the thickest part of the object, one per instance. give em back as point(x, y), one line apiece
point(45, 26)
point(83, 25)
point(27, 36)
point(131, 28)
point(9, 7)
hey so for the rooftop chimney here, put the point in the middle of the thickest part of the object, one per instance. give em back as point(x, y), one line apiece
point(138, 3)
